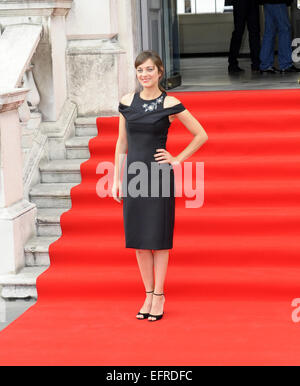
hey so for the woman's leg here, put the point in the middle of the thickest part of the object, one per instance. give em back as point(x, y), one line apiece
point(161, 259)
point(146, 263)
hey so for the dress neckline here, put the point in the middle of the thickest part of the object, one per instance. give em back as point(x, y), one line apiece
point(149, 100)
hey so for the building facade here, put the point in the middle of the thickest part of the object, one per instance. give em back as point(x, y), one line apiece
point(63, 63)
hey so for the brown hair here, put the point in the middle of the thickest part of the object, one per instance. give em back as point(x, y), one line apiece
point(149, 54)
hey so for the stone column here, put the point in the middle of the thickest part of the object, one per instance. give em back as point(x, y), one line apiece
point(50, 68)
point(17, 216)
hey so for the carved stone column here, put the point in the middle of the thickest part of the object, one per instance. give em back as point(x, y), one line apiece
point(17, 216)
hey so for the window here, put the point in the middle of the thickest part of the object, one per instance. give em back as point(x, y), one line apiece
point(202, 6)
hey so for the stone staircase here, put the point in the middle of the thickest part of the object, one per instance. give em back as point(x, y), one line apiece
point(52, 198)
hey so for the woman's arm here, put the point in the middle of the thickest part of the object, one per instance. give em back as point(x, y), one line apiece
point(191, 123)
point(200, 136)
point(121, 149)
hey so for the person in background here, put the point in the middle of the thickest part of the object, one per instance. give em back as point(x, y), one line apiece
point(244, 12)
point(277, 20)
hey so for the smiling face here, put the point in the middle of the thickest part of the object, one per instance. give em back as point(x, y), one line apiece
point(148, 74)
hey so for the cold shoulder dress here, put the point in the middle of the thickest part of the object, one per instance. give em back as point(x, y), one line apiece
point(149, 215)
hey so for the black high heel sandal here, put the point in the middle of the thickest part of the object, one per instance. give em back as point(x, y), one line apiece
point(145, 315)
point(157, 317)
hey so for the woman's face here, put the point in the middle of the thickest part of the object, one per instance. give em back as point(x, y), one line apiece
point(147, 74)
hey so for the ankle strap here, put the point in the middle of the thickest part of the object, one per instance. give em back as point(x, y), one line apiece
point(157, 294)
point(148, 292)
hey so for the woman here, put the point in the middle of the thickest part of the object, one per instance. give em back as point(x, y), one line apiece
point(148, 221)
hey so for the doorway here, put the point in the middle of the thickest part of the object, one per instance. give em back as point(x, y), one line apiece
point(193, 37)
point(160, 32)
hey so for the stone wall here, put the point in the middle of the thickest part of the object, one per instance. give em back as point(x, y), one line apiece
point(100, 58)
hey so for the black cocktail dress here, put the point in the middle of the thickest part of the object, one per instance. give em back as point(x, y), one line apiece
point(149, 188)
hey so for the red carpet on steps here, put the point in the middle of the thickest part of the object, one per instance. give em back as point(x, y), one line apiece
point(234, 269)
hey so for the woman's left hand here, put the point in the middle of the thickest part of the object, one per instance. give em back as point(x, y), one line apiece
point(163, 156)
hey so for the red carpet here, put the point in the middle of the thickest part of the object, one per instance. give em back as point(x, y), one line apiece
point(234, 269)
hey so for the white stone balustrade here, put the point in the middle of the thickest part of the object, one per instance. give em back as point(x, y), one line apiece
point(49, 60)
point(35, 7)
point(17, 216)
point(17, 46)
point(32, 52)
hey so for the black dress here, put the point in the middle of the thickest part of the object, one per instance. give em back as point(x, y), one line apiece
point(148, 217)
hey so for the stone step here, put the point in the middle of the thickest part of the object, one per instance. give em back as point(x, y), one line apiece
point(21, 285)
point(48, 221)
point(52, 195)
point(37, 251)
point(62, 171)
point(78, 147)
point(86, 127)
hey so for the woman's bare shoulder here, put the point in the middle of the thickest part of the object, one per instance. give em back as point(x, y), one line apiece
point(171, 101)
point(127, 99)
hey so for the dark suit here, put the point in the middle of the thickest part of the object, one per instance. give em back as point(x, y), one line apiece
point(245, 12)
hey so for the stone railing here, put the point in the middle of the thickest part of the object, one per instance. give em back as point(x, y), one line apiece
point(35, 7)
point(42, 73)
point(18, 44)
point(16, 214)
point(32, 51)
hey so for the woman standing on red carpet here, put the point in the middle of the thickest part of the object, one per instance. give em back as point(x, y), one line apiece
point(149, 219)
